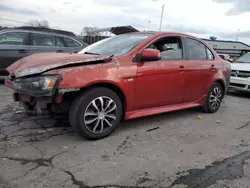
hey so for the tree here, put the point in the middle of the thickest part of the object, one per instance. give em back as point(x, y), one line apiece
point(89, 31)
point(3, 27)
point(212, 38)
point(37, 23)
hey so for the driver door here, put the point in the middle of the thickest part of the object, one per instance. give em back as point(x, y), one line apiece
point(160, 83)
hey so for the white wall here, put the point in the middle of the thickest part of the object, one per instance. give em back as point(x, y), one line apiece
point(227, 45)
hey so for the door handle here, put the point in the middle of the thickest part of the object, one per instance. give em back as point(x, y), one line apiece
point(22, 51)
point(58, 51)
point(181, 68)
point(212, 67)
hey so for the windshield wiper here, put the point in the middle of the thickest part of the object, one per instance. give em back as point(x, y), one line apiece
point(91, 53)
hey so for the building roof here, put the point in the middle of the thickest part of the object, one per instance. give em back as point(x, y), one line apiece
point(227, 45)
point(117, 30)
point(227, 41)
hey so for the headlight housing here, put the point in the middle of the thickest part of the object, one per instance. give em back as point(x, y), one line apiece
point(37, 85)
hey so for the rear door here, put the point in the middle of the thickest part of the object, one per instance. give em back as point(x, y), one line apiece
point(60, 45)
point(41, 42)
point(13, 46)
point(199, 70)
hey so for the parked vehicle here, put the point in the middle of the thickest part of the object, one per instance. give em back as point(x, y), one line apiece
point(240, 76)
point(24, 41)
point(122, 77)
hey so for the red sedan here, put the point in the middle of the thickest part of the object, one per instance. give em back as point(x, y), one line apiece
point(125, 76)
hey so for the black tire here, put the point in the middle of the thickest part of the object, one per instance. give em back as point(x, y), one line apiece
point(209, 107)
point(82, 103)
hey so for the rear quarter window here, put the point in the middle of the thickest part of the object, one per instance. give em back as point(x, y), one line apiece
point(210, 55)
point(70, 42)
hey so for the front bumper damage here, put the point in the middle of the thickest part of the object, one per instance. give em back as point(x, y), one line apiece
point(43, 104)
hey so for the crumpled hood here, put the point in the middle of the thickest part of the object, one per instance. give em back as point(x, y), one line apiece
point(42, 62)
point(240, 66)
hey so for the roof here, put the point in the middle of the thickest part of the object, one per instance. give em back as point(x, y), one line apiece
point(48, 30)
point(227, 41)
point(117, 30)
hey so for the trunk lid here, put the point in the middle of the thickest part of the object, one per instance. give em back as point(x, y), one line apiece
point(42, 62)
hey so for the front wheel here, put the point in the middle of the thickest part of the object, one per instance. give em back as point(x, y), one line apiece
point(96, 113)
point(214, 98)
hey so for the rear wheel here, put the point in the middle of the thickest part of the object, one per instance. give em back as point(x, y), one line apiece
point(214, 98)
point(96, 113)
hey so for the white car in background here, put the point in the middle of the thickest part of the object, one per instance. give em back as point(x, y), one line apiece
point(240, 75)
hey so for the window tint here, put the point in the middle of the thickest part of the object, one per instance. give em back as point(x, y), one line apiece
point(14, 38)
point(42, 40)
point(70, 42)
point(196, 50)
point(210, 55)
point(59, 42)
point(170, 48)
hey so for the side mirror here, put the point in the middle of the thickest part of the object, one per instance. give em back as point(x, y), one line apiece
point(150, 55)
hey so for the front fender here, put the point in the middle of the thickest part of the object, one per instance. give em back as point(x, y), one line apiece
point(85, 76)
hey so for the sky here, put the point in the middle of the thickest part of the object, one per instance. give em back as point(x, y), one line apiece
point(225, 19)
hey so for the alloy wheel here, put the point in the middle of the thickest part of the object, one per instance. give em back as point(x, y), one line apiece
point(100, 115)
point(215, 98)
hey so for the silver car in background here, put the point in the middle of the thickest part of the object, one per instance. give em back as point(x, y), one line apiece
point(23, 41)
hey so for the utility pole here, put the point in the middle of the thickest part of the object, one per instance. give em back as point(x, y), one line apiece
point(149, 25)
point(162, 11)
point(237, 35)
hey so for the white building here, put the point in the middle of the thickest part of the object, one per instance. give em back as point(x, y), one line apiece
point(232, 48)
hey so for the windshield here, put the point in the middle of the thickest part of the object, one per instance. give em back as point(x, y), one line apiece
point(117, 45)
point(244, 59)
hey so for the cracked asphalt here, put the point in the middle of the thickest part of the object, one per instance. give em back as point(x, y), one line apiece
point(174, 150)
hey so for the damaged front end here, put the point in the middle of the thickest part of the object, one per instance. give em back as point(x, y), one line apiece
point(37, 87)
point(36, 92)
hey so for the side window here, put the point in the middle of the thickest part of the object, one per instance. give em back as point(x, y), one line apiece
point(59, 42)
point(170, 48)
point(14, 38)
point(70, 42)
point(196, 50)
point(210, 55)
point(42, 40)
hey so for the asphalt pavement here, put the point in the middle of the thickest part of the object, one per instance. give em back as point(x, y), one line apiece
point(175, 150)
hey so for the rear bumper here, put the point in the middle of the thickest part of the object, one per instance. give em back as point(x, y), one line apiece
point(240, 84)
